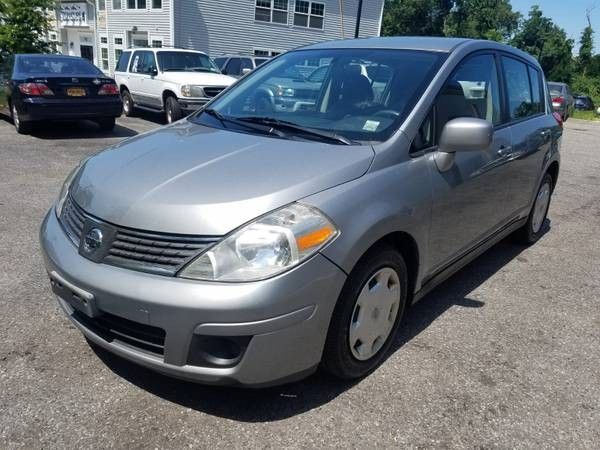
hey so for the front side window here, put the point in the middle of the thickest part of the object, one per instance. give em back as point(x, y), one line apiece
point(174, 61)
point(234, 67)
point(275, 11)
point(365, 96)
point(520, 101)
point(309, 14)
point(122, 62)
point(471, 91)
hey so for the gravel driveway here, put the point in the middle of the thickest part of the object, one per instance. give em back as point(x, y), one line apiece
point(504, 354)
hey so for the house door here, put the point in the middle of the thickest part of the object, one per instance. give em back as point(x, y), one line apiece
point(87, 52)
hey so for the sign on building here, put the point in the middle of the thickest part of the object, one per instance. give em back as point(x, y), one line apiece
point(73, 15)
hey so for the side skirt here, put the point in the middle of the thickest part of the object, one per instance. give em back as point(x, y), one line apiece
point(442, 275)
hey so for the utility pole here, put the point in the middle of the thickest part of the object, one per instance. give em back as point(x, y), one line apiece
point(358, 14)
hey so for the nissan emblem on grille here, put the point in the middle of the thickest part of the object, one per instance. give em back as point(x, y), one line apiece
point(92, 240)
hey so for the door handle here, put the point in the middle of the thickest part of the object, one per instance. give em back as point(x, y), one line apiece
point(504, 150)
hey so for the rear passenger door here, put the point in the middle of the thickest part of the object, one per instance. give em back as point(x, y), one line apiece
point(531, 126)
point(469, 199)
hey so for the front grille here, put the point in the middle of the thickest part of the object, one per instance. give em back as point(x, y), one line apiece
point(213, 91)
point(145, 251)
point(112, 328)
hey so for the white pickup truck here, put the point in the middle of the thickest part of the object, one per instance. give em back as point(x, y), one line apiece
point(174, 81)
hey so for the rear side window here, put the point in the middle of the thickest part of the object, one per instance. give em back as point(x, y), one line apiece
point(122, 63)
point(536, 90)
point(520, 98)
point(472, 91)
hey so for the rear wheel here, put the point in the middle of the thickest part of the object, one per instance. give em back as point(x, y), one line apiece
point(172, 110)
point(367, 314)
point(106, 123)
point(128, 105)
point(21, 126)
point(534, 228)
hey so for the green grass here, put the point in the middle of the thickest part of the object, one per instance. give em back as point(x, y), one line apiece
point(585, 115)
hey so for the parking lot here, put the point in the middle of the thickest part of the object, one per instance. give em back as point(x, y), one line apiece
point(504, 354)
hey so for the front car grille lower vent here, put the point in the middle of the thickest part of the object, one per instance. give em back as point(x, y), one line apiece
point(145, 251)
point(112, 328)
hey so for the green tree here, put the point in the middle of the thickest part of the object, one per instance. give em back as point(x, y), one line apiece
point(482, 19)
point(415, 17)
point(542, 38)
point(586, 49)
point(24, 25)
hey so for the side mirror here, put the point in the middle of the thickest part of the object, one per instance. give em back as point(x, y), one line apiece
point(153, 71)
point(246, 70)
point(465, 134)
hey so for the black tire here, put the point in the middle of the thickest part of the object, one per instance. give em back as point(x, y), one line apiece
point(21, 126)
point(106, 123)
point(338, 358)
point(173, 111)
point(128, 104)
point(528, 234)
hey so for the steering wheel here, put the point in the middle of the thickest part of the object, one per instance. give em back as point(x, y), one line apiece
point(387, 113)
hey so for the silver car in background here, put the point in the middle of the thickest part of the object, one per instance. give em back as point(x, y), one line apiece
point(563, 100)
point(250, 244)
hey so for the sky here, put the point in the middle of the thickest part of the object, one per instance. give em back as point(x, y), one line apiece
point(568, 14)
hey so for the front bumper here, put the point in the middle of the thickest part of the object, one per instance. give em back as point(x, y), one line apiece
point(285, 318)
point(189, 105)
point(61, 109)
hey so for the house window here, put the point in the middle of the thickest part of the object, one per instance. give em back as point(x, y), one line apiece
point(157, 4)
point(118, 53)
point(117, 4)
point(103, 40)
point(309, 14)
point(275, 11)
point(101, 5)
point(156, 43)
point(262, 52)
point(118, 41)
point(136, 4)
point(53, 37)
point(104, 57)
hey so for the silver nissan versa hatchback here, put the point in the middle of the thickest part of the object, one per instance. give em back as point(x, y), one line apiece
point(289, 224)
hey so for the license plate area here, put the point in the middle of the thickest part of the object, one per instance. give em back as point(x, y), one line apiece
point(79, 299)
point(76, 92)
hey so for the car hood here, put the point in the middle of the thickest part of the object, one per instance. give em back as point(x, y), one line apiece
point(198, 78)
point(192, 179)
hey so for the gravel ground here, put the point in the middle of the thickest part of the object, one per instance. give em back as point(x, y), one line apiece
point(504, 354)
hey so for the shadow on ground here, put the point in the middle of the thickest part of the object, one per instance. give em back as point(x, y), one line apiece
point(281, 402)
point(77, 129)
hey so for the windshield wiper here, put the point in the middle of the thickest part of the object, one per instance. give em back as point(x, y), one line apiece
point(290, 126)
point(252, 126)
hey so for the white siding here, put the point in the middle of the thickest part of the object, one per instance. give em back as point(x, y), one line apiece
point(219, 27)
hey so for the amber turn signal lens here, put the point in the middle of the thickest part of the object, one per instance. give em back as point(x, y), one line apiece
point(314, 238)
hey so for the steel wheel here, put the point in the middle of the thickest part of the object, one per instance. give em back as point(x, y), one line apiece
point(541, 207)
point(374, 314)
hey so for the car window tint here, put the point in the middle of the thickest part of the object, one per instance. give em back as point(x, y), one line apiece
point(234, 67)
point(246, 63)
point(122, 63)
point(39, 65)
point(536, 90)
point(520, 103)
point(150, 62)
point(472, 91)
point(137, 62)
point(219, 62)
point(259, 61)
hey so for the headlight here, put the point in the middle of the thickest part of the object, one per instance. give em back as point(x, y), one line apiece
point(186, 90)
point(268, 246)
point(66, 187)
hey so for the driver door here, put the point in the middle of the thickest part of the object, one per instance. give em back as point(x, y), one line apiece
point(469, 199)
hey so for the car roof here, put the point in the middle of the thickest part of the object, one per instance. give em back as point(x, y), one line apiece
point(47, 55)
point(424, 43)
point(165, 49)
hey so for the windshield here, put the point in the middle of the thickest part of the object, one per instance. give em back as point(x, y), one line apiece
point(185, 62)
point(59, 65)
point(359, 94)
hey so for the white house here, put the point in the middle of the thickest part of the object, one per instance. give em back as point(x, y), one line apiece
point(259, 27)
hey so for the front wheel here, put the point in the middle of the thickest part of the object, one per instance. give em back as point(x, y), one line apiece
point(367, 314)
point(173, 110)
point(128, 105)
point(534, 228)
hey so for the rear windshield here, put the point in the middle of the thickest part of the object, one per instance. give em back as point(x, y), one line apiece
point(555, 89)
point(185, 62)
point(55, 65)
